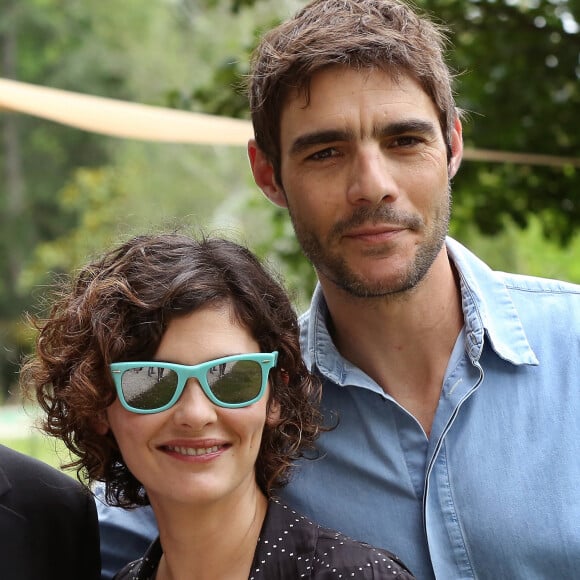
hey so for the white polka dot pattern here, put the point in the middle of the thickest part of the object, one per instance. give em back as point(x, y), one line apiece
point(291, 547)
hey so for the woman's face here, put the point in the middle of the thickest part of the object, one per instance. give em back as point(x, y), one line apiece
point(195, 451)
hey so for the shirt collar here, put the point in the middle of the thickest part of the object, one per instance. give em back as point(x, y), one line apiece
point(487, 308)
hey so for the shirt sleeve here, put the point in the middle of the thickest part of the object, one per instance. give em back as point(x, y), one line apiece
point(125, 534)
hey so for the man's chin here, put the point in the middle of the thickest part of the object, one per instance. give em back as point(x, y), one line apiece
point(372, 287)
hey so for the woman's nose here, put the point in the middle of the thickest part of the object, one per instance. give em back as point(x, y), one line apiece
point(194, 409)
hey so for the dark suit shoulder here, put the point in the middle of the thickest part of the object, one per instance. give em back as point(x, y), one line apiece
point(27, 483)
point(19, 467)
point(52, 521)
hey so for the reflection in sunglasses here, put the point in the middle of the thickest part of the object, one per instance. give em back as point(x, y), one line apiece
point(233, 381)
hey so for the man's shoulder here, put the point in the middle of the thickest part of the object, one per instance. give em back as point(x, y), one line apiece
point(48, 513)
point(539, 285)
point(491, 290)
point(541, 300)
point(474, 269)
point(26, 483)
point(29, 471)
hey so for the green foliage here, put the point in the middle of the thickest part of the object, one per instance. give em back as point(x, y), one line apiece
point(65, 194)
point(518, 79)
point(267, 230)
point(526, 251)
point(518, 71)
point(43, 448)
point(19, 431)
point(89, 199)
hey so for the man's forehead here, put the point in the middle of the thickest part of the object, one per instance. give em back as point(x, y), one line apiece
point(332, 79)
point(339, 91)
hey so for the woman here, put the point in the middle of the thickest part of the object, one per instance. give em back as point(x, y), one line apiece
point(171, 368)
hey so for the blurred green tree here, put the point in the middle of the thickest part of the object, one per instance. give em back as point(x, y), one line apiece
point(518, 79)
point(64, 194)
point(517, 65)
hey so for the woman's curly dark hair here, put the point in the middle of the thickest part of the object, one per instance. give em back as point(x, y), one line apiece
point(117, 309)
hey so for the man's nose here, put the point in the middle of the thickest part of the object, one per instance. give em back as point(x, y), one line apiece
point(371, 179)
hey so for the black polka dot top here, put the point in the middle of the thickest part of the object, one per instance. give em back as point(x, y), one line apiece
point(292, 547)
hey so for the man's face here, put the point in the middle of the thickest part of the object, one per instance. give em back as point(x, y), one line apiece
point(365, 177)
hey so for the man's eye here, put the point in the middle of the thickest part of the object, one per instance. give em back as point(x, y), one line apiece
point(406, 141)
point(323, 154)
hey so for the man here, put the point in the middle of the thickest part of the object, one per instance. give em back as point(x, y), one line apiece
point(48, 523)
point(456, 387)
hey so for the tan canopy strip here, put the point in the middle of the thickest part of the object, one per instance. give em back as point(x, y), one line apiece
point(120, 118)
point(143, 122)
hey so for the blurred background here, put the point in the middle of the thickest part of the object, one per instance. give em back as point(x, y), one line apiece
point(65, 194)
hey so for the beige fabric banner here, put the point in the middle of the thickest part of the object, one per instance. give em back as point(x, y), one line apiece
point(121, 118)
point(143, 122)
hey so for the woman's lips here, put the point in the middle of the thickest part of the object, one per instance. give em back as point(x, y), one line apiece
point(193, 451)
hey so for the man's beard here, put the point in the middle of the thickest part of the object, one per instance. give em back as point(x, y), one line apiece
point(335, 268)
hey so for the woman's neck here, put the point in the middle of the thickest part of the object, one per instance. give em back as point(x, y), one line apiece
point(210, 542)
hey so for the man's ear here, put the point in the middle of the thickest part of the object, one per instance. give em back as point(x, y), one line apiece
point(263, 173)
point(456, 148)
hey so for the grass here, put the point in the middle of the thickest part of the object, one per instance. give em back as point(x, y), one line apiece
point(17, 432)
point(42, 447)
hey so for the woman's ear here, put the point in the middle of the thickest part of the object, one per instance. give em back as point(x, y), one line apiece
point(274, 405)
point(273, 413)
point(101, 424)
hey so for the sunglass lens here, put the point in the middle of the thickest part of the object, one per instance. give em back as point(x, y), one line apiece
point(149, 388)
point(235, 382)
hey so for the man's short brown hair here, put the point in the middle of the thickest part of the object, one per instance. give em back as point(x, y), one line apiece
point(387, 35)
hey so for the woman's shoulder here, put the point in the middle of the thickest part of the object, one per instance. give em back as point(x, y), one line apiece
point(340, 554)
point(330, 554)
point(130, 571)
point(144, 568)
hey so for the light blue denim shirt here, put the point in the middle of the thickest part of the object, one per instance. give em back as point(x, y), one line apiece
point(494, 491)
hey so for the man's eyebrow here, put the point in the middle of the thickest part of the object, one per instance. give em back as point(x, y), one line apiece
point(419, 126)
point(324, 137)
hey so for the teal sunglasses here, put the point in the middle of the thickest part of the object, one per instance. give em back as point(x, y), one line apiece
point(231, 382)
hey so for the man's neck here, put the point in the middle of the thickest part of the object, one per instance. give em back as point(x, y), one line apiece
point(402, 342)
